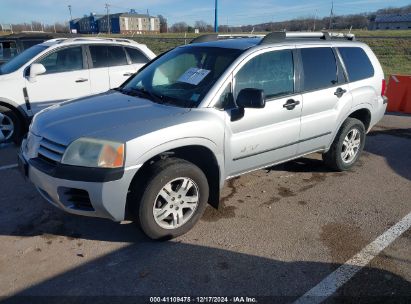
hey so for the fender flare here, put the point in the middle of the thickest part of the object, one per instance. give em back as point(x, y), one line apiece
point(360, 106)
point(185, 142)
point(14, 106)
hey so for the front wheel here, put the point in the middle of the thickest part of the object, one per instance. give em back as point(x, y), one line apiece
point(173, 199)
point(347, 146)
point(10, 126)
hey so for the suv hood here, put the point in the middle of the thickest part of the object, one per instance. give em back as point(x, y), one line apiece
point(102, 116)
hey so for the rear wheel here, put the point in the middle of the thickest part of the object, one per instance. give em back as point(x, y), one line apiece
point(347, 146)
point(10, 126)
point(172, 200)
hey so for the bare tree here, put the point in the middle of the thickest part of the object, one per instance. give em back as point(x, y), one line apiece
point(179, 27)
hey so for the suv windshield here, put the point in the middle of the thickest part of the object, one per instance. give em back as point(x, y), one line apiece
point(183, 76)
point(18, 61)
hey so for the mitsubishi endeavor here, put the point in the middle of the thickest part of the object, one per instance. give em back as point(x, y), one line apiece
point(160, 147)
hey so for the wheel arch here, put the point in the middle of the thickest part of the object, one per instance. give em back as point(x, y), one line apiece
point(200, 154)
point(361, 112)
point(17, 109)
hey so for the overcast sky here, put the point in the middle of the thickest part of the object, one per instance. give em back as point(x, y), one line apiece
point(233, 12)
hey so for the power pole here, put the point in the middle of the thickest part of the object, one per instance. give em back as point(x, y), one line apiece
point(108, 19)
point(71, 17)
point(331, 15)
point(315, 19)
point(216, 17)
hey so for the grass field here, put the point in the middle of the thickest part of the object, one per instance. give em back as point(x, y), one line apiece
point(393, 48)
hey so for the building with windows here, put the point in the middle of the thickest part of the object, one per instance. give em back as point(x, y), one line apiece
point(86, 25)
point(129, 23)
point(392, 22)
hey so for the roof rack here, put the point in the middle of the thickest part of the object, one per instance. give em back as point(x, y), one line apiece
point(274, 37)
point(66, 40)
point(280, 36)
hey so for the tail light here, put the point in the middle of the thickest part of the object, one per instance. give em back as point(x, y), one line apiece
point(383, 87)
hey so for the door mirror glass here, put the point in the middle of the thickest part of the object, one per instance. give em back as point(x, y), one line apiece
point(36, 69)
point(251, 98)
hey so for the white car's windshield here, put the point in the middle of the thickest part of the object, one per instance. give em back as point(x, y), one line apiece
point(18, 61)
point(183, 76)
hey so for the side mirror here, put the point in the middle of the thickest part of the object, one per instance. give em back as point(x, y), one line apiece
point(251, 98)
point(36, 69)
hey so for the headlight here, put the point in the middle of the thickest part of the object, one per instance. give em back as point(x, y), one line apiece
point(89, 152)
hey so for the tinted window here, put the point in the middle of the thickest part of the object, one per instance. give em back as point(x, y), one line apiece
point(117, 56)
point(137, 56)
point(272, 72)
point(99, 56)
point(8, 49)
point(29, 43)
point(65, 60)
point(320, 69)
point(357, 63)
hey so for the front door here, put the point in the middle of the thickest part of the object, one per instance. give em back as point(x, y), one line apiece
point(66, 77)
point(270, 134)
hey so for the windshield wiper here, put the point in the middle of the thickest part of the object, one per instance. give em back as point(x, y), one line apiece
point(146, 93)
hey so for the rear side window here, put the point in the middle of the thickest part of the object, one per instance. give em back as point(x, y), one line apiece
point(116, 56)
point(357, 63)
point(272, 72)
point(136, 56)
point(319, 68)
point(99, 56)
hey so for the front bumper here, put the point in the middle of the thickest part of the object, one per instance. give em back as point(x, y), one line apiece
point(106, 199)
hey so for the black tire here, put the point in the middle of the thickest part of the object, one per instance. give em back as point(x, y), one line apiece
point(161, 173)
point(17, 133)
point(333, 158)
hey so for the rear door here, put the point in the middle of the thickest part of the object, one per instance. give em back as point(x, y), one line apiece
point(325, 94)
point(66, 77)
point(99, 74)
point(119, 68)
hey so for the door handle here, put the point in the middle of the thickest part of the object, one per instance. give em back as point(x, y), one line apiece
point(128, 74)
point(291, 104)
point(81, 80)
point(340, 92)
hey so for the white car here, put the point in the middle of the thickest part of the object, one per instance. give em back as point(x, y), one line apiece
point(62, 69)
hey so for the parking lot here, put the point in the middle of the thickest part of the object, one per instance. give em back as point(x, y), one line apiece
point(280, 232)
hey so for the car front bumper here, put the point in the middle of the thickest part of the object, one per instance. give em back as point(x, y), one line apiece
point(105, 199)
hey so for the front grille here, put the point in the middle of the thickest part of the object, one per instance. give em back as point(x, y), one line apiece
point(51, 151)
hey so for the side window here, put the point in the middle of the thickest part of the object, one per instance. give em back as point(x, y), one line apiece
point(357, 63)
point(272, 72)
point(99, 56)
point(137, 56)
point(65, 60)
point(320, 69)
point(8, 49)
point(116, 56)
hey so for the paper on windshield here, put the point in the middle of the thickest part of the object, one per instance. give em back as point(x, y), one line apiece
point(193, 76)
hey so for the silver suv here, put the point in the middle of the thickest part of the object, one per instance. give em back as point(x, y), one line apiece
point(161, 146)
